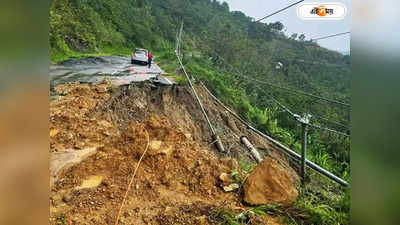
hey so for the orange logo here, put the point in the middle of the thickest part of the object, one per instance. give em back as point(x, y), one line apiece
point(321, 11)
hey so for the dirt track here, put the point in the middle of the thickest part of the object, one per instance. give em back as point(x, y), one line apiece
point(177, 182)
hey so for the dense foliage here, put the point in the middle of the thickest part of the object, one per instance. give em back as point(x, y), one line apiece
point(227, 50)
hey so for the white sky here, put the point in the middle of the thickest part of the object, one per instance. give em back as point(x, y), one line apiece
point(311, 28)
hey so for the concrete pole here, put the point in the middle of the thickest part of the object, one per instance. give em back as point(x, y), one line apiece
point(252, 150)
point(303, 151)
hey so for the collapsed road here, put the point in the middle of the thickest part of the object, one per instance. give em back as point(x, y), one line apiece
point(118, 69)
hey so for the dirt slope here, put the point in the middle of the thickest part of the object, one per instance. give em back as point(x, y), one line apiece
point(177, 181)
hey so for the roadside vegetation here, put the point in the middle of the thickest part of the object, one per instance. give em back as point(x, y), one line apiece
point(226, 50)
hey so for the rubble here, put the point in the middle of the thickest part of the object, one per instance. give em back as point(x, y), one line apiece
point(96, 142)
point(269, 183)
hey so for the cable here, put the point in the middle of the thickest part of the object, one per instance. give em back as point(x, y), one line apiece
point(290, 90)
point(296, 116)
point(282, 106)
point(279, 10)
point(334, 35)
point(285, 149)
point(194, 90)
point(330, 121)
point(328, 129)
point(300, 92)
point(133, 176)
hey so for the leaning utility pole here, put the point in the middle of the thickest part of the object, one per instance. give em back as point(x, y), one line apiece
point(305, 120)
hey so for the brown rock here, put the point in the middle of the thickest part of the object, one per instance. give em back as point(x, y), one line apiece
point(269, 183)
point(101, 88)
point(232, 164)
point(67, 198)
point(225, 179)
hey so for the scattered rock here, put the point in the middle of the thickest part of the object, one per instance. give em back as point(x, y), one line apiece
point(188, 136)
point(91, 182)
point(53, 132)
point(232, 164)
point(167, 151)
point(269, 183)
point(67, 198)
point(102, 88)
point(63, 160)
point(231, 187)
point(225, 179)
point(155, 145)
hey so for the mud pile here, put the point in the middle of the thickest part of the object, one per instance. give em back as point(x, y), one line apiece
point(177, 181)
point(69, 125)
point(178, 105)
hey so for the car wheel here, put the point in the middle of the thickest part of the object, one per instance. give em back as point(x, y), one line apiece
point(132, 62)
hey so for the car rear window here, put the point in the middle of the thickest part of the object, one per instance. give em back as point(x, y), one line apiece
point(140, 52)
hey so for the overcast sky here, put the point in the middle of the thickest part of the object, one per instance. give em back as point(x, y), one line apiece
point(312, 29)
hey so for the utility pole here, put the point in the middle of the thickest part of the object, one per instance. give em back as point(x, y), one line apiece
point(304, 120)
point(179, 39)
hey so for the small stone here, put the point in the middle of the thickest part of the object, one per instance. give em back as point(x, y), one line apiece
point(231, 187)
point(188, 136)
point(67, 198)
point(225, 178)
point(101, 88)
point(137, 186)
point(155, 145)
point(70, 136)
point(167, 151)
point(53, 132)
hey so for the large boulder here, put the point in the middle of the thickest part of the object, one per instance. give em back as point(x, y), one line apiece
point(269, 183)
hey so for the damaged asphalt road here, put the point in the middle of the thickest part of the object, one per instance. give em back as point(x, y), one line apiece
point(94, 69)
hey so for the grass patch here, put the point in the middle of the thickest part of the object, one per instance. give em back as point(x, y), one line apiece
point(57, 56)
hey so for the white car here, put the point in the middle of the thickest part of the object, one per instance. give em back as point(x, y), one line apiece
point(139, 56)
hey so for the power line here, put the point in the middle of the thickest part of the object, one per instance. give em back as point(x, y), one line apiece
point(331, 121)
point(301, 92)
point(329, 36)
point(329, 129)
point(279, 10)
point(282, 106)
point(191, 85)
point(297, 116)
point(289, 90)
point(285, 149)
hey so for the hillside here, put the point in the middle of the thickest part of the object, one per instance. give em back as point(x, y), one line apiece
point(229, 53)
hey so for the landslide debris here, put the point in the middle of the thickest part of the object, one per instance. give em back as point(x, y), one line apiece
point(270, 183)
point(179, 179)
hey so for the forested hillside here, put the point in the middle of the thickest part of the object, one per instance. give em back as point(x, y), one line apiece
point(229, 52)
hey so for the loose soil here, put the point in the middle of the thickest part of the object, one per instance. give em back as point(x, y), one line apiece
point(177, 181)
